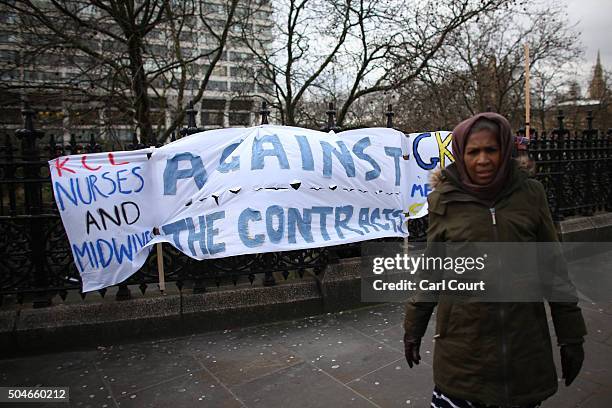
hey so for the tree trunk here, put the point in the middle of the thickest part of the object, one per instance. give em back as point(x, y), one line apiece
point(140, 86)
point(290, 115)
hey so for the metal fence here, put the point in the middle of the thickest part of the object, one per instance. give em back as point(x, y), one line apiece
point(36, 262)
point(575, 168)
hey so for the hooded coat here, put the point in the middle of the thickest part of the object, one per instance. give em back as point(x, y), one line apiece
point(493, 353)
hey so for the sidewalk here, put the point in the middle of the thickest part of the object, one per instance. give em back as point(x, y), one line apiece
point(347, 359)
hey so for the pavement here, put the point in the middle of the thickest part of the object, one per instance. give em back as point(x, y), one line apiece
point(350, 358)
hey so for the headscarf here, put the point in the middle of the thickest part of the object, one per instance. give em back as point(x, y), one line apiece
point(460, 136)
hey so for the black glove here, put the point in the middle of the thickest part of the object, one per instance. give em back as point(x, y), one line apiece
point(411, 349)
point(572, 357)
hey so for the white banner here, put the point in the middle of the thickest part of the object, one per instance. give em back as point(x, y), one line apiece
point(238, 191)
point(428, 151)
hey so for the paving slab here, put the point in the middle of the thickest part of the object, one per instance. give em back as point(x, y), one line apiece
point(300, 386)
point(397, 385)
point(574, 395)
point(73, 369)
point(344, 359)
point(130, 368)
point(597, 322)
point(394, 337)
point(599, 400)
point(597, 366)
point(341, 351)
point(374, 320)
point(236, 361)
point(198, 388)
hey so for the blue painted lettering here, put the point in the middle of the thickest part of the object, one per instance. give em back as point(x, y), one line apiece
point(249, 214)
point(304, 224)
point(323, 213)
point(343, 155)
point(175, 229)
point(415, 148)
point(396, 153)
point(364, 220)
point(211, 232)
point(234, 164)
point(136, 172)
point(275, 233)
point(172, 173)
point(358, 150)
point(376, 216)
point(259, 153)
point(196, 236)
point(342, 222)
point(306, 152)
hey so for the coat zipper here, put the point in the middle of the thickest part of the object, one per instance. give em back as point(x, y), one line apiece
point(502, 318)
point(494, 220)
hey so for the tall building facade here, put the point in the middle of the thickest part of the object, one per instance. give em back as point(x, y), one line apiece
point(81, 84)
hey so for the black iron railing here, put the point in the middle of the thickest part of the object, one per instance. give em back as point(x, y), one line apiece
point(36, 262)
point(575, 168)
point(35, 259)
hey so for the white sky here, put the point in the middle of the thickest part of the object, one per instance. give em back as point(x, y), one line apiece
point(594, 19)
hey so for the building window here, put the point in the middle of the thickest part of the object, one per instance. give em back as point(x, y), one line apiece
point(220, 71)
point(239, 72)
point(213, 104)
point(212, 118)
point(239, 119)
point(240, 56)
point(217, 86)
point(241, 105)
point(242, 86)
point(192, 84)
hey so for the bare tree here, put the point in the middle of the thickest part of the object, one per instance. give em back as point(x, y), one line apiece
point(124, 53)
point(307, 35)
point(400, 43)
point(484, 60)
point(373, 46)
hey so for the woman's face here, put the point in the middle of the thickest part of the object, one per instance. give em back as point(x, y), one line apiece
point(482, 157)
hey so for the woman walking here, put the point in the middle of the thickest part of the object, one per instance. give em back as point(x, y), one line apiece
point(492, 354)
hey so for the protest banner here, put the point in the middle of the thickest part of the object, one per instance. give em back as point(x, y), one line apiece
point(429, 150)
point(230, 192)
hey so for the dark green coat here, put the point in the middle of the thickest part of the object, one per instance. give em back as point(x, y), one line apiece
point(494, 353)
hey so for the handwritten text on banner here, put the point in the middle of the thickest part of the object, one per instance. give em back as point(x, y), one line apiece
point(237, 191)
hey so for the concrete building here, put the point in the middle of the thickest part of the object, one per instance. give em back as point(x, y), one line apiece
point(62, 86)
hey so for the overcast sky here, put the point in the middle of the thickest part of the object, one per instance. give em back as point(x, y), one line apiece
point(594, 19)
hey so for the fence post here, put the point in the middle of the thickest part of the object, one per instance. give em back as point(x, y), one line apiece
point(332, 251)
point(558, 157)
point(33, 206)
point(191, 116)
point(389, 114)
point(331, 119)
point(264, 112)
point(9, 170)
point(93, 146)
point(588, 137)
point(73, 147)
point(608, 169)
point(191, 121)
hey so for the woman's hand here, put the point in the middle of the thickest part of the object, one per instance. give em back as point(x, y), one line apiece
point(572, 357)
point(411, 349)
